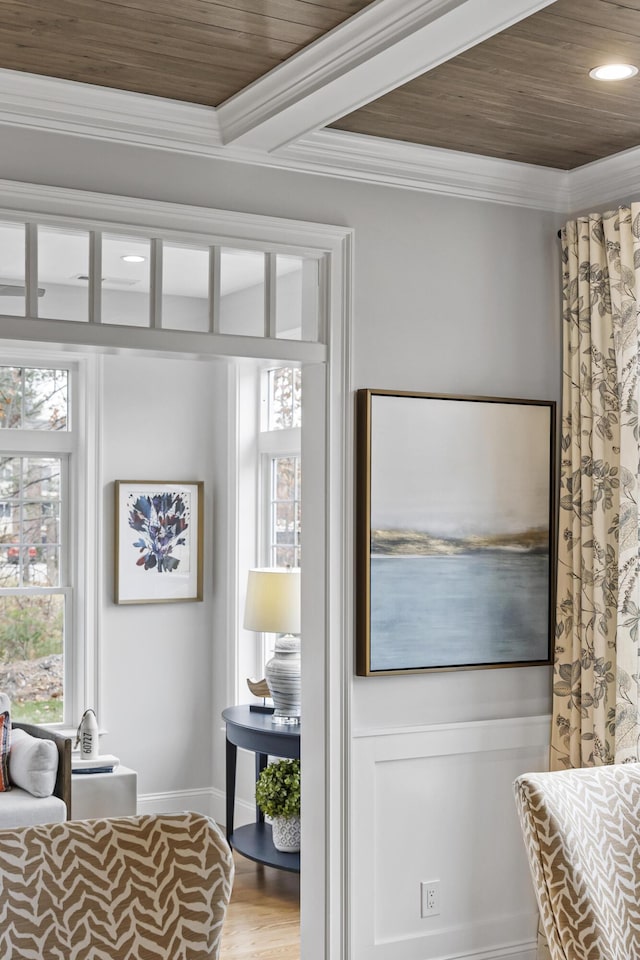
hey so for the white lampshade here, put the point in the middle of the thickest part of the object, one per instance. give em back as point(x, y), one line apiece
point(273, 600)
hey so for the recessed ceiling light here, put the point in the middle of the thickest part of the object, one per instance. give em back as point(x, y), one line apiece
point(133, 258)
point(613, 71)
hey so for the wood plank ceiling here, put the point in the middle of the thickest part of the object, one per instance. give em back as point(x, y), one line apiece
point(525, 94)
point(522, 95)
point(201, 51)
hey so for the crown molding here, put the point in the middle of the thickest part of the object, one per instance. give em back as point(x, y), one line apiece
point(377, 50)
point(429, 169)
point(117, 116)
point(120, 116)
point(63, 106)
point(605, 181)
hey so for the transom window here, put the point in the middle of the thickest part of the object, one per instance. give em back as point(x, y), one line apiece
point(168, 282)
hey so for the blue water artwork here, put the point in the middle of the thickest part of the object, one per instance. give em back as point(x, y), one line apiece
point(462, 610)
point(455, 503)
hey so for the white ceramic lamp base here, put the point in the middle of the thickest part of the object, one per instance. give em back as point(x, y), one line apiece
point(282, 674)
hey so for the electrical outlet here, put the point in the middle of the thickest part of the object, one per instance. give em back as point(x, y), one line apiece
point(429, 898)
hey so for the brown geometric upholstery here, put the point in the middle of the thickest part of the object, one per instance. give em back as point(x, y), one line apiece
point(132, 888)
point(582, 834)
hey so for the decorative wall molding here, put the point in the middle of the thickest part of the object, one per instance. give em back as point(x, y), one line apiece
point(61, 106)
point(467, 736)
point(430, 169)
point(605, 181)
point(378, 49)
point(425, 779)
point(64, 106)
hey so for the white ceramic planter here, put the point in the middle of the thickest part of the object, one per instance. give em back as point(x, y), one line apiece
point(286, 834)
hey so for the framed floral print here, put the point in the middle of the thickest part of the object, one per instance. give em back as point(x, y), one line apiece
point(158, 541)
point(454, 546)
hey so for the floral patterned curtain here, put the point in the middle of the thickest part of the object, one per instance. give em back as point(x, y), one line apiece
point(596, 674)
point(595, 688)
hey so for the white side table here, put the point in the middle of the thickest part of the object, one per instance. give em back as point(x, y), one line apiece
point(96, 795)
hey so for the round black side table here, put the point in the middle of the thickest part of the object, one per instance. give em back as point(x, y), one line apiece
point(257, 732)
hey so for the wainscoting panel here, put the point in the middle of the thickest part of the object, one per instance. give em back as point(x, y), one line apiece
point(435, 803)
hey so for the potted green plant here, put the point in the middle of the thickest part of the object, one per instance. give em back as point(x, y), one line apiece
point(278, 797)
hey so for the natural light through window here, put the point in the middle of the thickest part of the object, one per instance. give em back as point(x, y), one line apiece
point(284, 398)
point(280, 448)
point(285, 512)
point(281, 469)
point(33, 597)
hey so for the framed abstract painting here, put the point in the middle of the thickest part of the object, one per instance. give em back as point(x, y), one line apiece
point(158, 541)
point(454, 518)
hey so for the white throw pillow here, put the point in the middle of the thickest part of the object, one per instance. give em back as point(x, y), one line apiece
point(33, 763)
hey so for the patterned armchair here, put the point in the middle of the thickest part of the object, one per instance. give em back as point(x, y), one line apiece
point(131, 888)
point(582, 834)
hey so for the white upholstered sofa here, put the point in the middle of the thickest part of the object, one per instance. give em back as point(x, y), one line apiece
point(39, 775)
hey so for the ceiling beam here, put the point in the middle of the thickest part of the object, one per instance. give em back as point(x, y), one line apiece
point(384, 46)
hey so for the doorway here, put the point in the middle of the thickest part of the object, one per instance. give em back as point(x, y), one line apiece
point(325, 440)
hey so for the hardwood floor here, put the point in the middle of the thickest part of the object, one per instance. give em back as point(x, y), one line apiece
point(263, 918)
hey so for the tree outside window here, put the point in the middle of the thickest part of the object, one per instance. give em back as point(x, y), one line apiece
point(280, 444)
point(33, 598)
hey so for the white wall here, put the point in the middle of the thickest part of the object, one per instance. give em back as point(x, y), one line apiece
point(161, 662)
point(450, 296)
point(66, 302)
point(241, 312)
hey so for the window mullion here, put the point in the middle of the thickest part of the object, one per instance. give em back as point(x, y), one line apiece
point(155, 290)
point(270, 282)
point(214, 289)
point(31, 269)
point(34, 444)
point(95, 277)
point(280, 442)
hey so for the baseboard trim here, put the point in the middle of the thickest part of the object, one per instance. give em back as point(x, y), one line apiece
point(209, 801)
point(514, 951)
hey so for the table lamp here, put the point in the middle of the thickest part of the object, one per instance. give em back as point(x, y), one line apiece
point(273, 606)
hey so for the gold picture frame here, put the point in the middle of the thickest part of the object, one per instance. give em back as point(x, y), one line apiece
point(158, 542)
point(455, 519)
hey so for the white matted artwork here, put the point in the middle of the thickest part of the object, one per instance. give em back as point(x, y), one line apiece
point(455, 506)
point(158, 541)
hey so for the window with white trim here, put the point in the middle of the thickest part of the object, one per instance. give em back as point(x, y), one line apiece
point(38, 446)
point(279, 445)
point(280, 439)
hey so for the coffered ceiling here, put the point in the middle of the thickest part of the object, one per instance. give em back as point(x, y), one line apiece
point(525, 94)
point(506, 79)
point(200, 51)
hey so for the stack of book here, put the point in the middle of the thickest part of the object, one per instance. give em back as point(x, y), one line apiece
point(106, 763)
